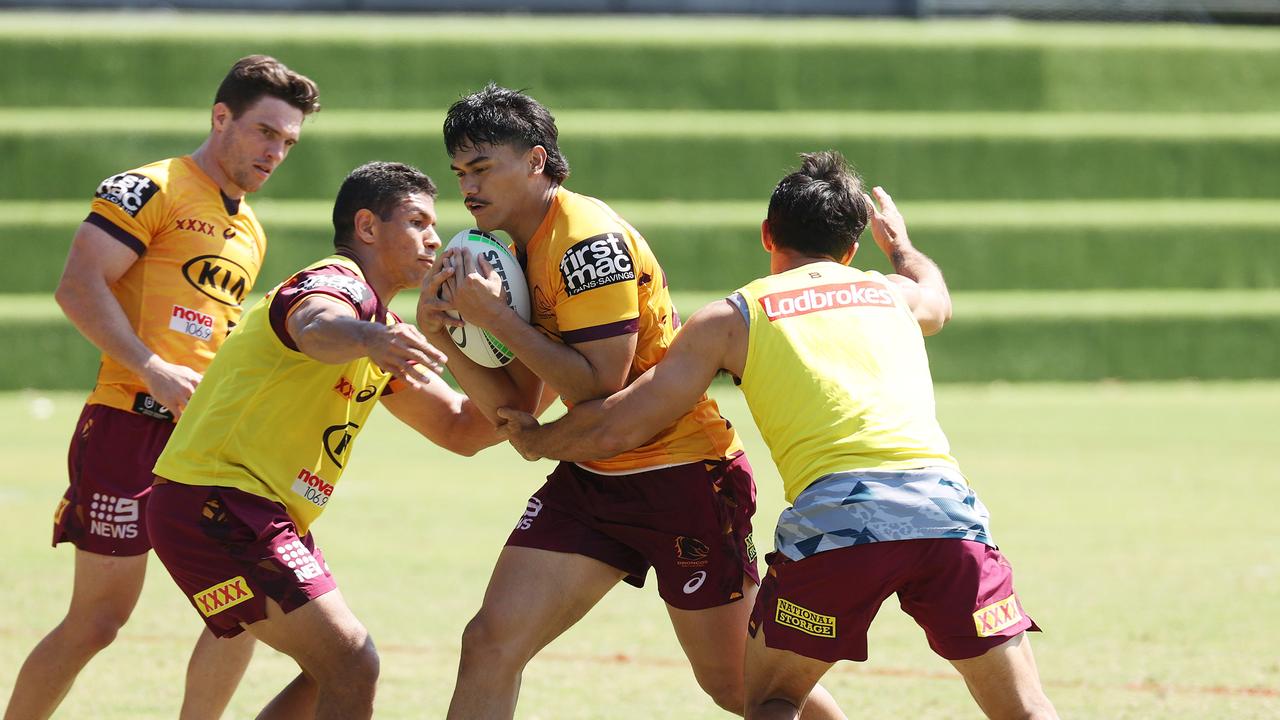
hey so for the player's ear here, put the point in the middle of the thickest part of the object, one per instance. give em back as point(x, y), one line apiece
point(766, 237)
point(537, 159)
point(853, 250)
point(363, 226)
point(220, 116)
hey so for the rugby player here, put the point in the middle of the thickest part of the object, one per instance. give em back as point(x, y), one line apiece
point(259, 452)
point(832, 362)
point(155, 278)
point(680, 503)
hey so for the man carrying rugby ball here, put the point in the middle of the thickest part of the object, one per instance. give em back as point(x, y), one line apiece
point(602, 316)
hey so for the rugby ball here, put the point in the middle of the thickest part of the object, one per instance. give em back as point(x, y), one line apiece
point(474, 342)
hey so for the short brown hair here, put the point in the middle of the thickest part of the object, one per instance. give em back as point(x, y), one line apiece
point(819, 209)
point(256, 76)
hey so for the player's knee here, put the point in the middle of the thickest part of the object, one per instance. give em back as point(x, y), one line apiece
point(95, 631)
point(726, 690)
point(365, 665)
point(485, 643)
point(1039, 708)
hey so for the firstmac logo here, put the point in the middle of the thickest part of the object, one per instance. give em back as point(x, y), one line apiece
point(792, 303)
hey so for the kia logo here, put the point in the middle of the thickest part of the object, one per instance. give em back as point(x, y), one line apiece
point(219, 278)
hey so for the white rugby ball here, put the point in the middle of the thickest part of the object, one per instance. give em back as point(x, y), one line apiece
point(477, 343)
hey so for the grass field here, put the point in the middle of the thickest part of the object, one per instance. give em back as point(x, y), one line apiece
point(1140, 519)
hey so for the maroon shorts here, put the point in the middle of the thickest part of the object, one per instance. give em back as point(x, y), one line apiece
point(112, 453)
point(230, 550)
point(959, 591)
point(691, 523)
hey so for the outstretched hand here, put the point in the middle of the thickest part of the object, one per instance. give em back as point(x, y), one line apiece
point(402, 351)
point(887, 225)
point(517, 427)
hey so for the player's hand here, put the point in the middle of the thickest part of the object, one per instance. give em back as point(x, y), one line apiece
point(435, 300)
point(517, 427)
point(171, 385)
point(402, 350)
point(477, 291)
point(887, 225)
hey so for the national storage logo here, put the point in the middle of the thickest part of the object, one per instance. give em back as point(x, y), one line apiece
point(804, 620)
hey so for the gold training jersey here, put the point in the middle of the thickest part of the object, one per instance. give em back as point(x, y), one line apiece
point(837, 377)
point(592, 276)
point(270, 420)
point(198, 256)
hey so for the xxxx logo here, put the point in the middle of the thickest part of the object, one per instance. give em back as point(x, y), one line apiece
point(997, 616)
point(344, 388)
point(194, 225)
point(222, 596)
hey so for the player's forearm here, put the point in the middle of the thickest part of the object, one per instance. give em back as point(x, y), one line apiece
point(584, 434)
point(911, 263)
point(915, 265)
point(461, 428)
point(89, 305)
point(559, 365)
point(334, 339)
point(488, 388)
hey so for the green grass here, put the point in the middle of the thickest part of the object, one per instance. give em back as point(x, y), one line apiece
point(657, 30)
point(69, 165)
point(685, 123)
point(931, 215)
point(1135, 516)
point(1014, 336)
point(41, 309)
point(173, 60)
point(1062, 245)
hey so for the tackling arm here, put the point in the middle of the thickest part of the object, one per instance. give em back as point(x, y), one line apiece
point(445, 417)
point(328, 330)
point(715, 338)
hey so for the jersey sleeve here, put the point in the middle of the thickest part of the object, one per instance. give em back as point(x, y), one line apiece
point(599, 296)
point(130, 208)
point(329, 280)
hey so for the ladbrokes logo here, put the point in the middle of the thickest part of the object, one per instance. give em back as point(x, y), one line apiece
point(997, 616)
point(221, 279)
point(222, 596)
point(595, 262)
point(804, 620)
point(825, 297)
point(312, 488)
point(130, 191)
point(191, 322)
